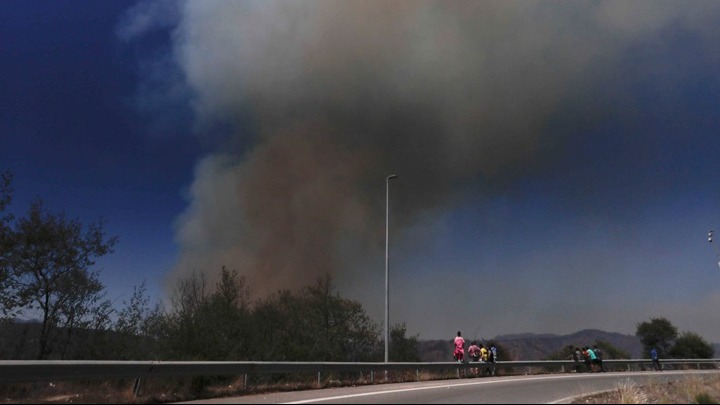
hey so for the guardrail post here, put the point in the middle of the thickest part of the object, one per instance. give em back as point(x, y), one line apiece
point(417, 375)
point(319, 386)
point(245, 380)
point(372, 376)
point(136, 387)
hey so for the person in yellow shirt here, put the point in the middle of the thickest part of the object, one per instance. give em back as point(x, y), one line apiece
point(483, 353)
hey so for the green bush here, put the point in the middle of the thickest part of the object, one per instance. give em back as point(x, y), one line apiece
point(705, 398)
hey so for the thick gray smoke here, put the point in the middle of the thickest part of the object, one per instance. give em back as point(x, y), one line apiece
point(326, 98)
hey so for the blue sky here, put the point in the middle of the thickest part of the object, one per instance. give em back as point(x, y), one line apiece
point(556, 161)
point(72, 135)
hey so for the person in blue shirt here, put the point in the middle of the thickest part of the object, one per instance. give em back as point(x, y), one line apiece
point(655, 360)
point(593, 359)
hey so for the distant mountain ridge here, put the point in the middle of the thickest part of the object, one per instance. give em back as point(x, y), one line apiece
point(537, 347)
point(530, 346)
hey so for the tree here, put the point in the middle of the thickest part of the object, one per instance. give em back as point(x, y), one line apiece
point(690, 345)
point(278, 329)
point(82, 314)
point(48, 259)
point(659, 333)
point(5, 197)
point(6, 298)
point(132, 316)
point(315, 324)
point(130, 341)
point(341, 330)
point(228, 313)
point(403, 348)
point(183, 329)
point(198, 308)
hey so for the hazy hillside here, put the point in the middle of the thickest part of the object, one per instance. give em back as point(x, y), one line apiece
point(528, 346)
point(537, 347)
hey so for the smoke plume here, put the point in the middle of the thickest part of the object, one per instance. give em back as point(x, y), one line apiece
point(324, 99)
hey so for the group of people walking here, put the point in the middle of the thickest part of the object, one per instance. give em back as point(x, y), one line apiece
point(476, 353)
point(591, 357)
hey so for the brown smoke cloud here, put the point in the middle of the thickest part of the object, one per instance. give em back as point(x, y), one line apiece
point(327, 98)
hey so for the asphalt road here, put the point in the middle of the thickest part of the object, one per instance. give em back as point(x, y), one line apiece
point(532, 389)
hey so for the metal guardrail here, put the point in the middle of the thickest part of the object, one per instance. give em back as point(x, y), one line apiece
point(13, 371)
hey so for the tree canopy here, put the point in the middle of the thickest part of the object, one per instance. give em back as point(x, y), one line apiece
point(659, 333)
point(45, 270)
point(690, 345)
point(47, 261)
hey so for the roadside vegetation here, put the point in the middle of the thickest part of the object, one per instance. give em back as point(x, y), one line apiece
point(695, 390)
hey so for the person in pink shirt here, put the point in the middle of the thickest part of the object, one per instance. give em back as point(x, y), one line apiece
point(474, 353)
point(459, 352)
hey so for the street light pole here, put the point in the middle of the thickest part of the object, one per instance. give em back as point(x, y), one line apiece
point(387, 261)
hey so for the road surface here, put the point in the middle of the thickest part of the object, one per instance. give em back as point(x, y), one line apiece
point(550, 388)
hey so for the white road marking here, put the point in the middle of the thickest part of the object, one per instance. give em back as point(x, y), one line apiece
point(366, 394)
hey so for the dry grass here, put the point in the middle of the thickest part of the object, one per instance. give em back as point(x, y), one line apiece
point(67, 392)
point(694, 390)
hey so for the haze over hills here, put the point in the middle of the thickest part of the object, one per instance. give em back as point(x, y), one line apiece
point(530, 346)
